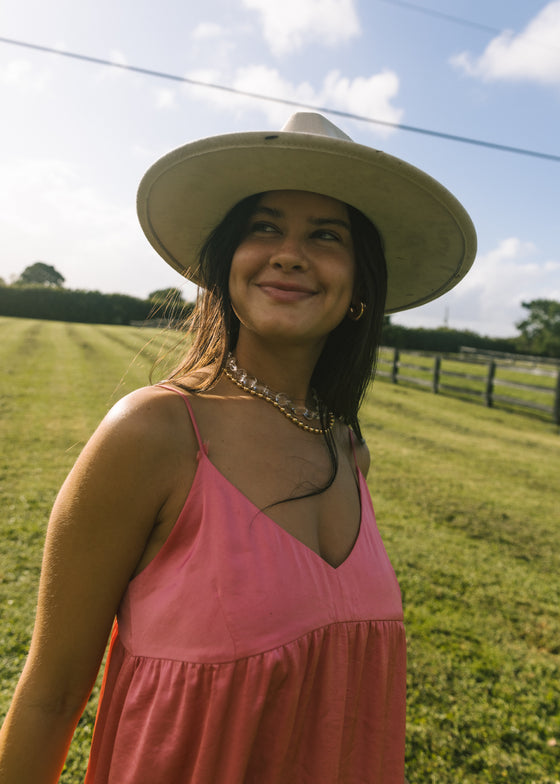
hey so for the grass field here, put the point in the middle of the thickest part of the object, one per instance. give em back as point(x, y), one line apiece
point(468, 503)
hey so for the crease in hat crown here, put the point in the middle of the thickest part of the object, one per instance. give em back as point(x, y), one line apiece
point(313, 123)
point(428, 237)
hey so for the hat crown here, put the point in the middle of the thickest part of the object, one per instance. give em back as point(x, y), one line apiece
point(311, 122)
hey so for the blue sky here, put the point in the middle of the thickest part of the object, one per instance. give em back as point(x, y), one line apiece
point(77, 137)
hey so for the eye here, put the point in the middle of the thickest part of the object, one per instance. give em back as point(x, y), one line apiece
point(326, 234)
point(262, 227)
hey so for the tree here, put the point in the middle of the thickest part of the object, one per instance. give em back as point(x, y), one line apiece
point(166, 296)
point(41, 274)
point(169, 305)
point(540, 331)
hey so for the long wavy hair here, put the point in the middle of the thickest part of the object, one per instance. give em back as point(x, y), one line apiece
point(347, 363)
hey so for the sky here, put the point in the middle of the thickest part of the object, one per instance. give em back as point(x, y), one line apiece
point(76, 137)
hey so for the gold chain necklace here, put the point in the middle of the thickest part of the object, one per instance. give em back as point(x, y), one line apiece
point(279, 400)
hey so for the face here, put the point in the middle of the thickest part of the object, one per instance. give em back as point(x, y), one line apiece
point(292, 275)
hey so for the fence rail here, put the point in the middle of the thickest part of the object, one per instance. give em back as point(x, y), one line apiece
point(484, 378)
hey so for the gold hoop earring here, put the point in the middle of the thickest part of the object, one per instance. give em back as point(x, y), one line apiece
point(355, 312)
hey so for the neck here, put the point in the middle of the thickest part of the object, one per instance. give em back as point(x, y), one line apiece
point(284, 369)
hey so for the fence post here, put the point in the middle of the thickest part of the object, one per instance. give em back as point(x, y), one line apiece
point(490, 382)
point(437, 370)
point(395, 371)
point(556, 407)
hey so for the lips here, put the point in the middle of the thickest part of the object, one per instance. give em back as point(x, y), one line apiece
point(282, 291)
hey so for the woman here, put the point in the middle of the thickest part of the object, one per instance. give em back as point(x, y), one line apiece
point(223, 516)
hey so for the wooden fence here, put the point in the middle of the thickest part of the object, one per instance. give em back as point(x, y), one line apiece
point(515, 383)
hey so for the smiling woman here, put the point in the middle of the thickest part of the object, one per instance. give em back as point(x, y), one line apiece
point(351, 346)
point(259, 629)
point(292, 275)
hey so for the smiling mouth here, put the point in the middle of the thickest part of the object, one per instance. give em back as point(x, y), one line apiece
point(282, 292)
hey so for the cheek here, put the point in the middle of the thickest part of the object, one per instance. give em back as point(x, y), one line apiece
point(243, 264)
point(343, 289)
point(235, 275)
point(238, 283)
point(348, 285)
point(348, 281)
point(234, 296)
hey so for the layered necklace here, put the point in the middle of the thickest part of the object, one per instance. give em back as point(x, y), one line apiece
point(301, 416)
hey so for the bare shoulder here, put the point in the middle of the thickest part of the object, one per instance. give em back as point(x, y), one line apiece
point(124, 483)
point(151, 418)
point(146, 407)
point(362, 456)
point(141, 445)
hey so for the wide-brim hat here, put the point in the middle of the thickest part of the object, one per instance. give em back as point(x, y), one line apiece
point(428, 238)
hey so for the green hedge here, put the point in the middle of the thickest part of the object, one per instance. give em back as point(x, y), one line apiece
point(442, 340)
point(58, 304)
point(93, 307)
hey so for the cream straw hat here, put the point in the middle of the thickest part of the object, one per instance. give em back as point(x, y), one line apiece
point(428, 238)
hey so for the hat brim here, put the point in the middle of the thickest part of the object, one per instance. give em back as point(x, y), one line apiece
point(428, 237)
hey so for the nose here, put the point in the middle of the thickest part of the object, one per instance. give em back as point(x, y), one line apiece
point(288, 256)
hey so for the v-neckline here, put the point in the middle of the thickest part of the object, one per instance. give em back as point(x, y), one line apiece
point(203, 455)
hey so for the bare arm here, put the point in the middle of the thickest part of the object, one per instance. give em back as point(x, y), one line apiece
point(99, 527)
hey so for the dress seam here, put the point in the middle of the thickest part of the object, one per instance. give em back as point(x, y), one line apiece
point(356, 622)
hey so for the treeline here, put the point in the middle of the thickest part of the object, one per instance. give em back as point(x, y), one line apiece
point(55, 303)
point(444, 340)
point(58, 304)
point(539, 334)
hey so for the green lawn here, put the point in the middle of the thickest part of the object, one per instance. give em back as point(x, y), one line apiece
point(468, 503)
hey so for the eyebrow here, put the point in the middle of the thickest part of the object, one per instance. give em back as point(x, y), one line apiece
point(275, 213)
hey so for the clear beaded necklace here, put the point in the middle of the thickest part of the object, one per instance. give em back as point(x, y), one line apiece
point(299, 415)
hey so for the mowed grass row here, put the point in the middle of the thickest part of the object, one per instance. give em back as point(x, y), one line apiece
point(467, 500)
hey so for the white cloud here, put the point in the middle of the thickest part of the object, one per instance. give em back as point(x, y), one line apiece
point(365, 95)
point(488, 301)
point(215, 42)
point(118, 56)
point(116, 74)
point(23, 76)
point(165, 97)
point(97, 243)
point(208, 30)
point(505, 270)
point(261, 80)
point(369, 96)
point(290, 24)
point(532, 55)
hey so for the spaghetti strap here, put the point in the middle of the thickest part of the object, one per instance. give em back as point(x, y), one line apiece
point(201, 446)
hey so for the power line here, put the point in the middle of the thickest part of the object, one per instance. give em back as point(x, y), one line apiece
point(284, 101)
point(460, 20)
point(441, 15)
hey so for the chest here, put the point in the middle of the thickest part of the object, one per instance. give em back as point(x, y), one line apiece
point(287, 481)
point(231, 582)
